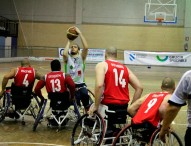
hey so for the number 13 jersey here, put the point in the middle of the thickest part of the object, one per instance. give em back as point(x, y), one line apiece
point(116, 84)
point(55, 82)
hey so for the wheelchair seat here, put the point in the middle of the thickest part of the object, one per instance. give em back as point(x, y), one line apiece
point(59, 104)
point(116, 114)
point(21, 96)
point(19, 102)
point(143, 131)
point(59, 101)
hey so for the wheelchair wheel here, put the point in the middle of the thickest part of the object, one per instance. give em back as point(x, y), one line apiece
point(88, 131)
point(3, 106)
point(80, 105)
point(171, 140)
point(125, 137)
point(2, 111)
point(35, 106)
point(39, 115)
point(92, 96)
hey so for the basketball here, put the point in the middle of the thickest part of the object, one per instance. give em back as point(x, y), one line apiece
point(71, 33)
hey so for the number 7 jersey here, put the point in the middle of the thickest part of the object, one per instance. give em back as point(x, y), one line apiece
point(116, 84)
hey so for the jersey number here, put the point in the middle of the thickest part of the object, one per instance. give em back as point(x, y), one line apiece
point(25, 81)
point(119, 78)
point(55, 85)
point(151, 104)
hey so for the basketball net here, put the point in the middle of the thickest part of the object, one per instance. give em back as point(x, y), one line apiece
point(159, 21)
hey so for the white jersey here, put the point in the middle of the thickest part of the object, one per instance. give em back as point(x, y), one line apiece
point(75, 67)
point(182, 94)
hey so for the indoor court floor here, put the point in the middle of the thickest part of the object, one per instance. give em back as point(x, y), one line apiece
point(13, 133)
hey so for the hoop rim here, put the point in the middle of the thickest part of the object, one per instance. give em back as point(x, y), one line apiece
point(160, 20)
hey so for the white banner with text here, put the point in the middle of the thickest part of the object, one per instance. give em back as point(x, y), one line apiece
point(96, 55)
point(180, 59)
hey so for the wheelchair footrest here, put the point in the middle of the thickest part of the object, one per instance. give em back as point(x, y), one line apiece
point(54, 123)
point(13, 115)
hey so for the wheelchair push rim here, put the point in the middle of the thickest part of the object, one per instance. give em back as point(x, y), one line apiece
point(88, 131)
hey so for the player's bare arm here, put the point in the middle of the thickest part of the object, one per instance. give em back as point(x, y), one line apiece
point(38, 75)
point(84, 43)
point(135, 83)
point(169, 116)
point(100, 70)
point(6, 78)
point(164, 105)
point(133, 108)
point(65, 53)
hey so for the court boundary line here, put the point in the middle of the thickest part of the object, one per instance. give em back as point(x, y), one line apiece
point(30, 143)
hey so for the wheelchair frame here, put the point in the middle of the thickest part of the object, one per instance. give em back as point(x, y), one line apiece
point(90, 129)
point(132, 136)
point(8, 107)
point(95, 133)
point(73, 114)
point(81, 107)
point(70, 114)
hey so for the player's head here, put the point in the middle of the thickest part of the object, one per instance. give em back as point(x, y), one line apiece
point(111, 52)
point(55, 65)
point(25, 63)
point(75, 49)
point(168, 84)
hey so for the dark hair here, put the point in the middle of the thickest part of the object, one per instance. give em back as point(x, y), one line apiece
point(55, 65)
point(77, 46)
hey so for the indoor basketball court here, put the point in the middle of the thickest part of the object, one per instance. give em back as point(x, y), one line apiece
point(152, 38)
point(15, 134)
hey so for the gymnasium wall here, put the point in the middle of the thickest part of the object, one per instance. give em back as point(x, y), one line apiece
point(150, 38)
point(88, 11)
point(104, 23)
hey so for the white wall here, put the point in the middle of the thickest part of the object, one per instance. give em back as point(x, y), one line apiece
point(93, 11)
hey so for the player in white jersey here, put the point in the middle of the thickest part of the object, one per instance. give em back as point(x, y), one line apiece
point(74, 61)
point(180, 97)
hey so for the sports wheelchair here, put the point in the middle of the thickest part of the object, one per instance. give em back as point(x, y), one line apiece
point(60, 112)
point(79, 101)
point(101, 128)
point(144, 135)
point(18, 102)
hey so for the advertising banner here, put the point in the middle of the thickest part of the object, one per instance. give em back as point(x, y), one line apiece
point(96, 55)
point(181, 59)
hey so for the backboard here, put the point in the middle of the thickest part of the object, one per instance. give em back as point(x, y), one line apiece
point(160, 10)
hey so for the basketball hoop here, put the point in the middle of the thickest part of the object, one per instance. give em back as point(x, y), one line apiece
point(159, 21)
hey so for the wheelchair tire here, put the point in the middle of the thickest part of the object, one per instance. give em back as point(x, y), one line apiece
point(92, 96)
point(88, 131)
point(2, 114)
point(124, 137)
point(35, 106)
point(4, 107)
point(171, 140)
point(39, 115)
point(80, 106)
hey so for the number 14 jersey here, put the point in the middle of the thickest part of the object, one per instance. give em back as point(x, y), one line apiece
point(116, 84)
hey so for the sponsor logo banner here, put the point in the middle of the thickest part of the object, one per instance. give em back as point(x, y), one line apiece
point(181, 59)
point(96, 55)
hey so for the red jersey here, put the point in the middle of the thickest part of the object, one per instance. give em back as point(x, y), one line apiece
point(55, 82)
point(25, 77)
point(116, 84)
point(149, 110)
